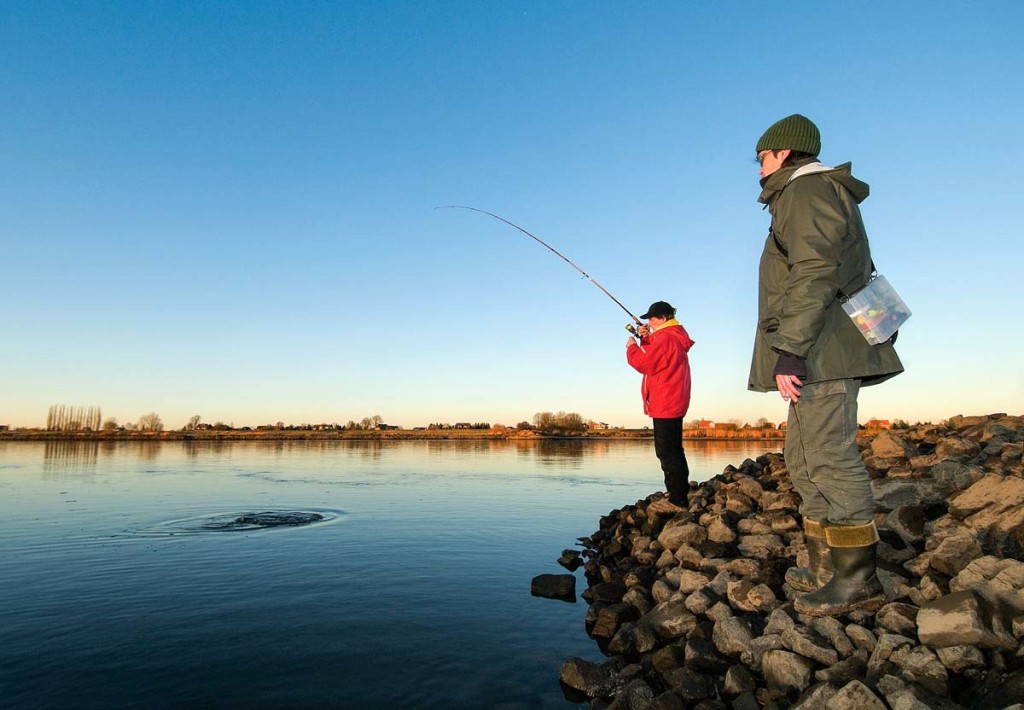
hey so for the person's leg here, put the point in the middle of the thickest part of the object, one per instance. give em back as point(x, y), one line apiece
point(813, 504)
point(835, 468)
point(813, 507)
point(668, 446)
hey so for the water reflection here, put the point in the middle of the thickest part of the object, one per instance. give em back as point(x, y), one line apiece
point(149, 450)
point(194, 448)
point(64, 457)
point(569, 453)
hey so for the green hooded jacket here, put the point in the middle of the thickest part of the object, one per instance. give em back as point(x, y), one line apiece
point(816, 251)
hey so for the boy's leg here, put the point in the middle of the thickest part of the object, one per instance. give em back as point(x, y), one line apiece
point(668, 445)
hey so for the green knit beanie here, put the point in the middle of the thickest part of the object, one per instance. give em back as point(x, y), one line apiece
point(795, 132)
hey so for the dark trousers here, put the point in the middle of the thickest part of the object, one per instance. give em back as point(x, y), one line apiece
point(668, 445)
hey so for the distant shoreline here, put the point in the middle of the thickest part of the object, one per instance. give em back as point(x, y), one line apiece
point(372, 435)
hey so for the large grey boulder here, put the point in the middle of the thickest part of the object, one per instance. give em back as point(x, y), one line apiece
point(732, 636)
point(962, 618)
point(889, 444)
point(905, 695)
point(672, 538)
point(589, 678)
point(785, 669)
point(802, 640)
point(997, 580)
point(960, 658)
point(670, 620)
point(856, 696)
point(687, 581)
point(760, 547)
point(994, 503)
point(955, 552)
point(957, 448)
point(892, 493)
point(554, 586)
point(921, 665)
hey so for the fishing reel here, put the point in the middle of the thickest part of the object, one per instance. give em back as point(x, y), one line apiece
point(633, 331)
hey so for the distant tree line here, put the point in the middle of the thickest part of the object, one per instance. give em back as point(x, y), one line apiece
point(459, 425)
point(366, 423)
point(559, 423)
point(65, 418)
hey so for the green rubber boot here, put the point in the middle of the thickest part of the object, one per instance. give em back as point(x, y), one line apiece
point(854, 585)
point(819, 569)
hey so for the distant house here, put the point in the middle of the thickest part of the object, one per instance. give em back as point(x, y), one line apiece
point(781, 426)
point(599, 425)
point(463, 425)
point(705, 425)
point(725, 426)
point(878, 424)
point(387, 427)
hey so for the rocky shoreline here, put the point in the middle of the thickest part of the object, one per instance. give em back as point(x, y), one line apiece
point(692, 608)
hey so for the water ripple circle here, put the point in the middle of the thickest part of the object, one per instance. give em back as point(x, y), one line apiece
point(244, 521)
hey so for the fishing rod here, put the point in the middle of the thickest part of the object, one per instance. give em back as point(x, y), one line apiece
point(629, 327)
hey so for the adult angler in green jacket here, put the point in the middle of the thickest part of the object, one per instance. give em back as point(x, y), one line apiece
point(808, 349)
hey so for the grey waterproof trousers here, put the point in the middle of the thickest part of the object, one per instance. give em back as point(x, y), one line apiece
point(822, 456)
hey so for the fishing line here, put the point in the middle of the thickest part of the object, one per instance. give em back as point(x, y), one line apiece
point(553, 250)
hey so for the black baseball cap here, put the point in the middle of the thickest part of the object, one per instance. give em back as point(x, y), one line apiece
point(659, 309)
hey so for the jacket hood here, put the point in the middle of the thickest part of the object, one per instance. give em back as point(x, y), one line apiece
point(684, 337)
point(843, 174)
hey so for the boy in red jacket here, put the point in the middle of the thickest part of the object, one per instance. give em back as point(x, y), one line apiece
point(661, 357)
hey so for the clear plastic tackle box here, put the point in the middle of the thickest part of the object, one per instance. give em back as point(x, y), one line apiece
point(877, 310)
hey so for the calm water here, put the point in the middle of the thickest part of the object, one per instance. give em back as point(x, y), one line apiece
point(414, 592)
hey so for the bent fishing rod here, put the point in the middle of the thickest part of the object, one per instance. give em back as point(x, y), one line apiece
point(629, 327)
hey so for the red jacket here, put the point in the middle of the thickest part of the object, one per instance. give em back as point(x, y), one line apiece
point(661, 358)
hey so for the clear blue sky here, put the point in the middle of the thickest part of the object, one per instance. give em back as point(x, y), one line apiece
point(227, 209)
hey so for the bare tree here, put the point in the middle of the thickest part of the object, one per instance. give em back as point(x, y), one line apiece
point(64, 418)
point(193, 423)
point(563, 422)
point(151, 422)
point(110, 424)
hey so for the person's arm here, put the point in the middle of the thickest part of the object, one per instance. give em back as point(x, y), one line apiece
point(813, 223)
point(646, 358)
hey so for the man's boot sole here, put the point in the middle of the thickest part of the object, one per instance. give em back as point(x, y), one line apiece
point(799, 583)
point(871, 604)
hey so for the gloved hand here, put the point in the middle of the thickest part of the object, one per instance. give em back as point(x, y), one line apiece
point(790, 364)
